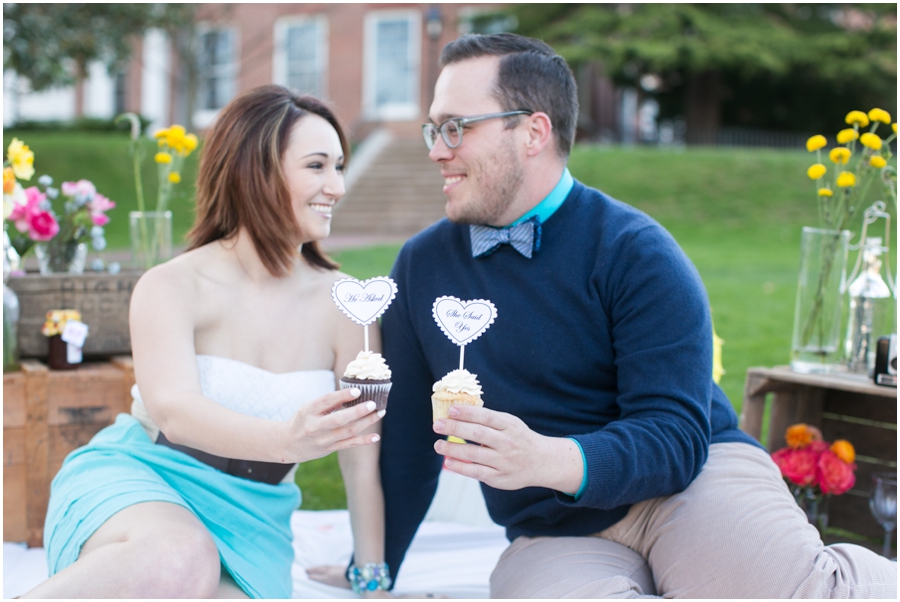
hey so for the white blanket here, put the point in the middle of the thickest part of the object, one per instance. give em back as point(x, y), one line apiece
point(453, 552)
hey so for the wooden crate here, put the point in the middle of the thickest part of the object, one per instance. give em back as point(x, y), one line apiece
point(857, 410)
point(102, 299)
point(46, 415)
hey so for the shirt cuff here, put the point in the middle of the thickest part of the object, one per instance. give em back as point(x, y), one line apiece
point(584, 480)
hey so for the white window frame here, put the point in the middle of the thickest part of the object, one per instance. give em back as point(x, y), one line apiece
point(203, 118)
point(280, 74)
point(406, 111)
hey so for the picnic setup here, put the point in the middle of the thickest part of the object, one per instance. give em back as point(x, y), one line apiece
point(537, 302)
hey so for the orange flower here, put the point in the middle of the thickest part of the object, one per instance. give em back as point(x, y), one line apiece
point(9, 180)
point(843, 449)
point(800, 435)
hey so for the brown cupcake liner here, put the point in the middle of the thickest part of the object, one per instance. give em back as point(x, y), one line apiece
point(376, 391)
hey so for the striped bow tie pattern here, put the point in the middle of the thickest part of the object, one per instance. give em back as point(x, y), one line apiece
point(524, 238)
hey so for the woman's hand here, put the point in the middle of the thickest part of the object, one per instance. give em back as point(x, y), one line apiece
point(323, 426)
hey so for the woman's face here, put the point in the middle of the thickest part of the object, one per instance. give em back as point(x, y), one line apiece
point(314, 172)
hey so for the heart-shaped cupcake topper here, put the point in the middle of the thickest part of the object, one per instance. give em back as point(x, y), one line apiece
point(365, 301)
point(463, 321)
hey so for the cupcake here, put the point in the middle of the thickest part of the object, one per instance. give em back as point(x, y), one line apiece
point(370, 374)
point(459, 387)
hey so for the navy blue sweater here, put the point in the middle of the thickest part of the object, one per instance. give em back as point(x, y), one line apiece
point(604, 335)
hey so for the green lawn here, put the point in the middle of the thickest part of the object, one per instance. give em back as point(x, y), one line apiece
point(736, 212)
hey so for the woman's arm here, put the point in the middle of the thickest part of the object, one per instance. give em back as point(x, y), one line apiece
point(165, 309)
point(359, 465)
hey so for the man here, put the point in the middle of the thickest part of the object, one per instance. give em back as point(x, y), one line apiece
point(603, 446)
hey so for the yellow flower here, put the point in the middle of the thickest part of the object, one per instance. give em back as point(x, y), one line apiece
point(839, 155)
point(9, 180)
point(894, 127)
point(163, 158)
point(847, 135)
point(174, 177)
point(880, 115)
point(718, 369)
point(877, 161)
point(825, 192)
point(843, 449)
point(846, 179)
point(56, 320)
point(161, 134)
point(857, 118)
point(21, 158)
point(816, 171)
point(175, 137)
point(871, 140)
point(816, 142)
point(190, 143)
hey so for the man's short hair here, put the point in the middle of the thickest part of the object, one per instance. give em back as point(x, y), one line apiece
point(531, 76)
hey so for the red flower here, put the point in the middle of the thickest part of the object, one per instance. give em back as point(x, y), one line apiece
point(834, 475)
point(42, 226)
point(797, 465)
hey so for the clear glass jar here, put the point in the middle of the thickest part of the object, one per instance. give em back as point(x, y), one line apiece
point(871, 310)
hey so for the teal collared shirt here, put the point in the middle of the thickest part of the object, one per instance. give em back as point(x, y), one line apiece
point(551, 202)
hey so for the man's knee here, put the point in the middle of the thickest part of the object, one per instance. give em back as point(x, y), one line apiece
point(570, 567)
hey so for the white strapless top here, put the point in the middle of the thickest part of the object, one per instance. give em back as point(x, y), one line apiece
point(249, 390)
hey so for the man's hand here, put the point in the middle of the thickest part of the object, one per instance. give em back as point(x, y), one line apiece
point(510, 455)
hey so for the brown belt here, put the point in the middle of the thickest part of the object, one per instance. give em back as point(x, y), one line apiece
point(264, 472)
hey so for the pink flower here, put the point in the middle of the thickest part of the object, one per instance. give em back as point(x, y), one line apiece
point(42, 226)
point(81, 187)
point(798, 465)
point(22, 214)
point(100, 203)
point(100, 219)
point(834, 475)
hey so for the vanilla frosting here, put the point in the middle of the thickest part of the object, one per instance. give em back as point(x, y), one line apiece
point(368, 366)
point(459, 381)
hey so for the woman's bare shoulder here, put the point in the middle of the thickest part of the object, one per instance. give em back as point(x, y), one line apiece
point(181, 278)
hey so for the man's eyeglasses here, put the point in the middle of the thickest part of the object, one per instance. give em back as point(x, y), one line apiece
point(452, 129)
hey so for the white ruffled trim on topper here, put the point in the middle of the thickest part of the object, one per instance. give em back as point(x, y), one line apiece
point(463, 305)
point(363, 320)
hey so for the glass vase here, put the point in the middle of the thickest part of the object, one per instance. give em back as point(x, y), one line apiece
point(10, 314)
point(58, 257)
point(814, 505)
point(151, 238)
point(817, 315)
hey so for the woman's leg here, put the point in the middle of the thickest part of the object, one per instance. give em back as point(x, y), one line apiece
point(148, 550)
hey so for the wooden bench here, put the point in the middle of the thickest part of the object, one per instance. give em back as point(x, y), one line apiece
point(46, 415)
point(843, 407)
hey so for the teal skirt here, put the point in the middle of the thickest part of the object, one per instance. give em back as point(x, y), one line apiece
point(249, 521)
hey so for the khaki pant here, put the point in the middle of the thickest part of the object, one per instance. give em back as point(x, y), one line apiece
point(735, 532)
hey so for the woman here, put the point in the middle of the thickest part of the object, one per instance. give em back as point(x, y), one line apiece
point(236, 345)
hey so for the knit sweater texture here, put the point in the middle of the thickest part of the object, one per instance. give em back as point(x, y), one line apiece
point(604, 335)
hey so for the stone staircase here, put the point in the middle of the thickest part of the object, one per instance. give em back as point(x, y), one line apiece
point(396, 195)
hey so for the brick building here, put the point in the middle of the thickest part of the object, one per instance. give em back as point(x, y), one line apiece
point(375, 64)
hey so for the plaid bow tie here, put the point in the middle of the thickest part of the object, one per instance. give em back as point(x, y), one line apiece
point(524, 238)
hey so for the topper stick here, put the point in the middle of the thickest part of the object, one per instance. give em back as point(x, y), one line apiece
point(462, 355)
point(366, 331)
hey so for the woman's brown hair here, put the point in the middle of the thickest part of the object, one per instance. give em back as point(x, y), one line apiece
point(241, 182)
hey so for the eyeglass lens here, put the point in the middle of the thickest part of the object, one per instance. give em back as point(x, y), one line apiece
point(450, 131)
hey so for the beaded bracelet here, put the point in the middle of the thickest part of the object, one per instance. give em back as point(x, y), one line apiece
point(371, 577)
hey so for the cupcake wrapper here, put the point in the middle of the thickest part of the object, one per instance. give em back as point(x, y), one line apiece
point(377, 393)
point(440, 407)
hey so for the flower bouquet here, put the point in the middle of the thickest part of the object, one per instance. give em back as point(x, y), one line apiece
point(59, 241)
point(860, 159)
point(151, 231)
point(815, 470)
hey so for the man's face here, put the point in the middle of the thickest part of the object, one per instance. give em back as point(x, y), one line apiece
point(483, 176)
